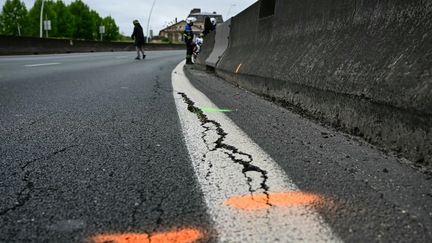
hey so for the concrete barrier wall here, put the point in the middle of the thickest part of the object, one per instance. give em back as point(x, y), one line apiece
point(206, 49)
point(363, 66)
point(221, 43)
point(25, 45)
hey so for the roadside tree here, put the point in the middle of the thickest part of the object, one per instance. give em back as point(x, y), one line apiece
point(64, 21)
point(83, 21)
point(111, 29)
point(13, 18)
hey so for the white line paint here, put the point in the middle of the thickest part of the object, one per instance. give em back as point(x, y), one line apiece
point(43, 64)
point(220, 179)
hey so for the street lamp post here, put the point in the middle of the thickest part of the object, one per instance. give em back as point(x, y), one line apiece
point(41, 19)
point(19, 29)
point(148, 21)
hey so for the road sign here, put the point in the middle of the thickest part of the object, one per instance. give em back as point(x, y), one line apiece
point(101, 29)
point(47, 25)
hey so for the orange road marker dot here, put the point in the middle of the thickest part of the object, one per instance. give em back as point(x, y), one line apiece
point(238, 68)
point(262, 201)
point(177, 236)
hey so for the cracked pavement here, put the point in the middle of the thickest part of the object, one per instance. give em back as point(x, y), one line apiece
point(229, 150)
point(93, 146)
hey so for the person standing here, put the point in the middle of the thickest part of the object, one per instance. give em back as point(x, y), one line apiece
point(207, 26)
point(213, 24)
point(138, 36)
point(188, 38)
point(198, 43)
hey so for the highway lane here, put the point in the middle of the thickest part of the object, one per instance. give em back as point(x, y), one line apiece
point(91, 146)
point(100, 146)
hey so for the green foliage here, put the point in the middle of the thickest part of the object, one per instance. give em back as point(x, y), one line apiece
point(76, 20)
point(13, 18)
point(84, 21)
point(1, 24)
point(125, 38)
point(33, 19)
point(65, 20)
point(111, 29)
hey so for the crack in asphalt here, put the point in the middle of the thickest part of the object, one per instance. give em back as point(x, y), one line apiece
point(33, 122)
point(157, 87)
point(136, 207)
point(135, 212)
point(158, 209)
point(229, 150)
point(23, 195)
point(204, 157)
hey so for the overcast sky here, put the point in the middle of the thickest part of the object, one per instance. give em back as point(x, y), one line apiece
point(165, 11)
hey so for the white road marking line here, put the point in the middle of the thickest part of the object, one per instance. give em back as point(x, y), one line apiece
point(43, 64)
point(221, 179)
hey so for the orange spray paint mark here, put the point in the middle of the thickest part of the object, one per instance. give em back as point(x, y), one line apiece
point(238, 68)
point(178, 236)
point(261, 201)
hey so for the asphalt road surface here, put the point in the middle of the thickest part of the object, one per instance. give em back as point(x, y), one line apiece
point(102, 148)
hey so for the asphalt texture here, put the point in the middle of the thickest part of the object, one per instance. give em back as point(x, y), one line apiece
point(92, 145)
point(370, 196)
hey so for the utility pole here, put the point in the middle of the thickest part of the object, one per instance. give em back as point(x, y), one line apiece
point(148, 22)
point(15, 10)
point(46, 25)
point(41, 19)
point(19, 29)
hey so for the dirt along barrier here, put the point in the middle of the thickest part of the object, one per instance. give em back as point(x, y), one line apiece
point(362, 66)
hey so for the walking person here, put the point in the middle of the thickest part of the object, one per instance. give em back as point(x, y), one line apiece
point(189, 39)
point(138, 36)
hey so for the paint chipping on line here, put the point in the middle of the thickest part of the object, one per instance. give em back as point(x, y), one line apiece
point(262, 201)
point(232, 152)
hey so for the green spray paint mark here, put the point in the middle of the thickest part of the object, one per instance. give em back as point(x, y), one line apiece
point(208, 110)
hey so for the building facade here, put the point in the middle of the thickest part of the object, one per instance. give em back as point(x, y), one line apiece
point(174, 32)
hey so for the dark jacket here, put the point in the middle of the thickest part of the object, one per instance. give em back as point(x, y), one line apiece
point(138, 34)
point(188, 34)
point(207, 26)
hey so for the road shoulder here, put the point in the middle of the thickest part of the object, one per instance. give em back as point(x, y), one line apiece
point(374, 196)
